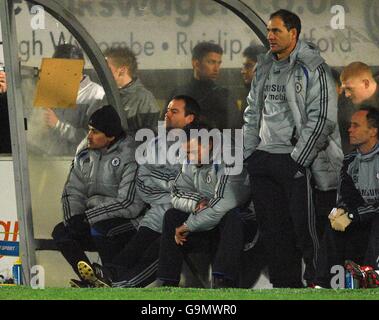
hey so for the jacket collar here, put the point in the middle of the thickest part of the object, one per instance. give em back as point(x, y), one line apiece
point(114, 146)
point(370, 155)
point(131, 86)
point(85, 81)
point(206, 82)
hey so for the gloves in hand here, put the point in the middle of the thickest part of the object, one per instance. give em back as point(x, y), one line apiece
point(341, 222)
point(335, 213)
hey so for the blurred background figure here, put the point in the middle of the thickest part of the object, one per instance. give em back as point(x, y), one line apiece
point(139, 109)
point(359, 87)
point(218, 106)
point(59, 132)
point(5, 136)
point(250, 58)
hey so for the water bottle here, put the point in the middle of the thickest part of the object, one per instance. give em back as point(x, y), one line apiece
point(349, 280)
point(17, 272)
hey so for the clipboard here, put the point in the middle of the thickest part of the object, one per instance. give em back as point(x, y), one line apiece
point(58, 83)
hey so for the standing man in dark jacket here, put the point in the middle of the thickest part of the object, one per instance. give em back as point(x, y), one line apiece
point(100, 205)
point(291, 139)
point(353, 233)
point(218, 108)
point(5, 135)
point(250, 58)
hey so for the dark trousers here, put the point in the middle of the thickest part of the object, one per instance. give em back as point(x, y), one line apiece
point(106, 237)
point(324, 202)
point(359, 242)
point(285, 217)
point(236, 229)
point(253, 257)
point(225, 243)
point(372, 253)
point(137, 263)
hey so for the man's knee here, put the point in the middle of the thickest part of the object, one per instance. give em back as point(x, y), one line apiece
point(60, 233)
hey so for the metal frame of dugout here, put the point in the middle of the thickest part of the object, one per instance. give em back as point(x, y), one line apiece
point(28, 243)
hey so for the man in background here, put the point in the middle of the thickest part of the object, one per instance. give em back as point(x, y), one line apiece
point(68, 127)
point(5, 135)
point(359, 86)
point(218, 107)
point(139, 108)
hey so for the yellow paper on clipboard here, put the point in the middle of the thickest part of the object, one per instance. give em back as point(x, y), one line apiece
point(58, 83)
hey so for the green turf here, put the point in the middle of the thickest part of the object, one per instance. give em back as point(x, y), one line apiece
point(23, 293)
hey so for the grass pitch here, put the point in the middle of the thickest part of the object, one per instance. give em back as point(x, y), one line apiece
point(25, 293)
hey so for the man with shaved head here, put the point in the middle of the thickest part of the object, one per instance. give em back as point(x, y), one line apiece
point(358, 83)
point(359, 86)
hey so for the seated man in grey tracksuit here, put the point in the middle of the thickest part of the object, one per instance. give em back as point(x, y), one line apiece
point(100, 204)
point(352, 237)
point(136, 264)
point(205, 214)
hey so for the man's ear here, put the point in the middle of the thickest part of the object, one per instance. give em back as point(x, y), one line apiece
point(366, 83)
point(293, 33)
point(195, 63)
point(123, 70)
point(190, 118)
point(375, 131)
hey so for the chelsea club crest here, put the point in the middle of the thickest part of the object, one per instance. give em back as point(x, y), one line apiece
point(116, 162)
point(298, 87)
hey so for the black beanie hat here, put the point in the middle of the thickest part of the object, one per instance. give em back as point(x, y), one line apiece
point(68, 51)
point(106, 120)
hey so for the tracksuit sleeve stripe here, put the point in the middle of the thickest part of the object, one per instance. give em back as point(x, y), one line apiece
point(65, 202)
point(321, 118)
point(119, 205)
point(220, 191)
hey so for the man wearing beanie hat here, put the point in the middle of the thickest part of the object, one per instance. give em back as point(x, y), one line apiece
point(107, 121)
point(100, 205)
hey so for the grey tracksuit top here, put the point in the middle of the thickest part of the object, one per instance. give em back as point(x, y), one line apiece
point(139, 108)
point(312, 99)
point(154, 183)
point(210, 181)
point(359, 189)
point(102, 183)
